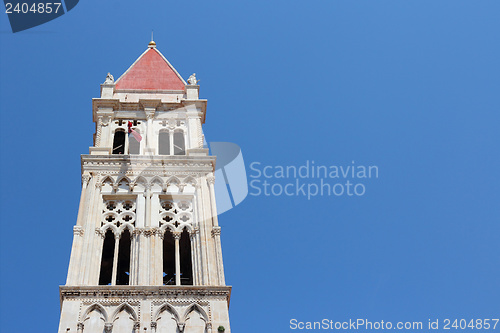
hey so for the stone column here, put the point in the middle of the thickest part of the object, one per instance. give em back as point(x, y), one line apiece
point(195, 131)
point(216, 232)
point(92, 217)
point(103, 131)
point(98, 134)
point(76, 251)
point(177, 236)
point(218, 253)
point(115, 260)
point(194, 256)
point(146, 267)
point(81, 208)
point(154, 258)
point(150, 113)
point(134, 257)
point(159, 258)
point(202, 236)
point(147, 195)
point(78, 231)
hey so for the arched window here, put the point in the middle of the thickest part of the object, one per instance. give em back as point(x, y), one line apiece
point(168, 258)
point(134, 146)
point(117, 213)
point(123, 271)
point(179, 145)
point(119, 142)
point(164, 143)
point(108, 251)
point(185, 254)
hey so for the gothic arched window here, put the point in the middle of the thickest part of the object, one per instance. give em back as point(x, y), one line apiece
point(119, 142)
point(118, 215)
point(168, 258)
point(179, 144)
point(185, 254)
point(176, 219)
point(134, 146)
point(123, 270)
point(164, 143)
point(108, 250)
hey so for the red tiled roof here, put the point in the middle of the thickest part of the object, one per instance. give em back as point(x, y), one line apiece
point(150, 72)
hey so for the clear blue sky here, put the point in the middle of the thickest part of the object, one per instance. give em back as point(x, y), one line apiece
point(409, 86)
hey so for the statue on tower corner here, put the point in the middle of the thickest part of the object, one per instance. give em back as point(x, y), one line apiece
point(192, 80)
point(109, 79)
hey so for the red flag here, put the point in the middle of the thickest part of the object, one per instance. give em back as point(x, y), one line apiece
point(136, 135)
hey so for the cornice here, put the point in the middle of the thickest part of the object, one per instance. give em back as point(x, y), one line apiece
point(148, 164)
point(137, 108)
point(151, 292)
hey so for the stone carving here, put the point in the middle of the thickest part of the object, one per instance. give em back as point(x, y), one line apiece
point(99, 132)
point(135, 167)
point(192, 80)
point(149, 232)
point(106, 120)
point(215, 231)
point(172, 123)
point(193, 232)
point(199, 133)
point(211, 180)
point(108, 328)
point(118, 215)
point(176, 214)
point(99, 232)
point(85, 179)
point(109, 79)
point(78, 230)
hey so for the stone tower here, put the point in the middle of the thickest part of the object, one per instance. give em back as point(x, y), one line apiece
point(146, 253)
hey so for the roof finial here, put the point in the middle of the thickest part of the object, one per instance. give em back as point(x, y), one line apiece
point(152, 44)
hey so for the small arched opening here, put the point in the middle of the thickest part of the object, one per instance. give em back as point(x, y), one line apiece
point(168, 258)
point(164, 143)
point(119, 142)
point(179, 144)
point(186, 262)
point(108, 250)
point(123, 270)
point(134, 146)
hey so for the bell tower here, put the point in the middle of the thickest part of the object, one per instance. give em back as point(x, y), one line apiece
point(146, 254)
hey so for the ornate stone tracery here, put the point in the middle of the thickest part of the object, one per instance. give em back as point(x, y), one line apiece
point(176, 214)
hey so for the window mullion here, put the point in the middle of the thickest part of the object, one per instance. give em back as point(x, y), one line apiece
point(115, 261)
